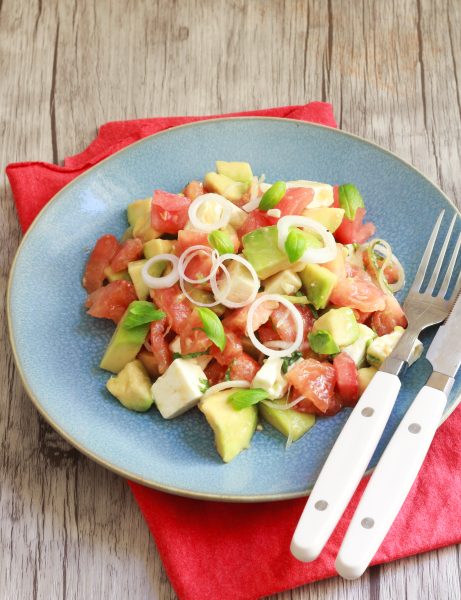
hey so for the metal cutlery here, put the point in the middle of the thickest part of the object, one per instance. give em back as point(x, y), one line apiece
point(359, 437)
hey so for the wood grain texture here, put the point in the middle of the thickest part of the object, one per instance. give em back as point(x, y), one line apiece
point(68, 528)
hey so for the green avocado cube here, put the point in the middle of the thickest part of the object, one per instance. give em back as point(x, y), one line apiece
point(225, 186)
point(155, 247)
point(134, 269)
point(238, 171)
point(233, 429)
point(112, 276)
point(132, 386)
point(330, 218)
point(341, 323)
point(124, 344)
point(318, 282)
point(287, 421)
point(138, 209)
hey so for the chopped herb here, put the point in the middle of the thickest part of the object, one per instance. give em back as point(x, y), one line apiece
point(245, 398)
point(142, 312)
point(204, 385)
point(190, 355)
point(227, 376)
point(290, 360)
point(212, 327)
point(350, 199)
point(295, 245)
point(273, 195)
point(221, 241)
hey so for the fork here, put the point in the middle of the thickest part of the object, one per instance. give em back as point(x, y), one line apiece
point(359, 437)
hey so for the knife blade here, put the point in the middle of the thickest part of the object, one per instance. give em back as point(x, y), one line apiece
point(444, 353)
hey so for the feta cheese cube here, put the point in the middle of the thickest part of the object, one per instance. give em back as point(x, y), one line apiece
point(179, 388)
point(270, 378)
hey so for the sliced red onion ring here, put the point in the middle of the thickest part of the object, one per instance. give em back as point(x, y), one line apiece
point(225, 385)
point(296, 315)
point(311, 255)
point(209, 227)
point(161, 282)
point(220, 295)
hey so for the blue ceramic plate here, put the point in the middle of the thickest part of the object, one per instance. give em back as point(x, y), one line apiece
point(58, 347)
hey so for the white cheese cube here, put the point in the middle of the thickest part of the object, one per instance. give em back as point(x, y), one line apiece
point(270, 378)
point(357, 351)
point(179, 388)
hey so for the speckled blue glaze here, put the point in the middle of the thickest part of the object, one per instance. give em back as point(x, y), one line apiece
point(58, 347)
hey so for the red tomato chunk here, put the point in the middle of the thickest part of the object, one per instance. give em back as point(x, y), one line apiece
point(103, 252)
point(111, 301)
point(169, 212)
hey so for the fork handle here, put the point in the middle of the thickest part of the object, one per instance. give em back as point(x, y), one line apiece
point(390, 483)
point(345, 466)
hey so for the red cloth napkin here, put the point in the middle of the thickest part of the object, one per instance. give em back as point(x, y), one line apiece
point(223, 551)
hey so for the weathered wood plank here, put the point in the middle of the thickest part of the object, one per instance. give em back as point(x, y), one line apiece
point(392, 70)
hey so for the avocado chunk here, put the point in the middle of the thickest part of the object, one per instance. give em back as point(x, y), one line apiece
point(286, 282)
point(134, 269)
point(127, 234)
point(358, 350)
point(155, 247)
point(322, 342)
point(287, 421)
point(111, 276)
point(328, 217)
point(143, 229)
point(227, 187)
point(124, 344)
point(260, 248)
point(365, 375)
point(138, 209)
point(131, 387)
point(233, 429)
point(341, 323)
point(238, 171)
point(318, 282)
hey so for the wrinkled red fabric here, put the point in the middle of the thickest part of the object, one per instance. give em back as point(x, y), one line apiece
point(224, 551)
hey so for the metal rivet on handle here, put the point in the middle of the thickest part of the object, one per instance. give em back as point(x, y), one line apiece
point(414, 428)
point(367, 523)
point(321, 505)
point(367, 411)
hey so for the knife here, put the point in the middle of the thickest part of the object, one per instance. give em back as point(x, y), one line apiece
point(402, 459)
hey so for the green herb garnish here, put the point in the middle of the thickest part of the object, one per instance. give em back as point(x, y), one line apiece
point(227, 375)
point(290, 360)
point(273, 195)
point(245, 398)
point(322, 342)
point(221, 241)
point(350, 200)
point(212, 327)
point(190, 355)
point(141, 313)
point(295, 244)
point(204, 385)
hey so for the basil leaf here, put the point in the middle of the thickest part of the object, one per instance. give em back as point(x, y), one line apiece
point(245, 398)
point(140, 313)
point(190, 355)
point(212, 327)
point(290, 360)
point(204, 385)
point(314, 311)
point(322, 342)
point(221, 241)
point(227, 375)
point(295, 245)
point(350, 199)
point(273, 195)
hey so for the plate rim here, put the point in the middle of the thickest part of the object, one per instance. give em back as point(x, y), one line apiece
point(97, 458)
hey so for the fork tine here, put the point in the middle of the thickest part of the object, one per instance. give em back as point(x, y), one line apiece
point(446, 280)
point(436, 272)
point(457, 288)
point(427, 255)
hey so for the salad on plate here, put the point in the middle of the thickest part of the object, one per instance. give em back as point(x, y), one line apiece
point(255, 302)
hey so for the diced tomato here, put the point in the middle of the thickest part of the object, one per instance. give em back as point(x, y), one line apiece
point(215, 372)
point(111, 301)
point(193, 339)
point(358, 292)
point(350, 232)
point(294, 202)
point(149, 362)
point(338, 264)
point(130, 250)
point(160, 349)
point(391, 273)
point(360, 316)
point(173, 302)
point(244, 367)
point(232, 350)
point(193, 189)
point(169, 212)
point(284, 324)
point(384, 321)
point(306, 406)
point(256, 219)
point(315, 381)
point(347, 380)
point(200, 265)
point(101, 255)
point(266, 333)
point(236, 320)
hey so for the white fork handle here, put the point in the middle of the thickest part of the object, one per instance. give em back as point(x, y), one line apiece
point(390, 483)
point(345, 466)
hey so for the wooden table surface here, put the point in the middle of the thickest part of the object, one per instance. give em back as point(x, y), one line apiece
point(68, 528)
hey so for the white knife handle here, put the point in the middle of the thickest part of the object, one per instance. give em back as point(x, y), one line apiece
point(345, 466)
point(390, 483)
